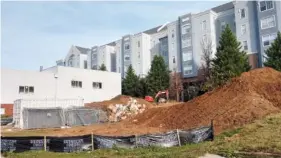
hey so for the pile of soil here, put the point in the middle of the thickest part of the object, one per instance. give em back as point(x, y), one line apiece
point(251, 96)
point(120, 99)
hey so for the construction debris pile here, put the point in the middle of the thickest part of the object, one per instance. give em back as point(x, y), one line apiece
point(118, 112)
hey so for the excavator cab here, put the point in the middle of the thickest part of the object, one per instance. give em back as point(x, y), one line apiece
point(162, 96)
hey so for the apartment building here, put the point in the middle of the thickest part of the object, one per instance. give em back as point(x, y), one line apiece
point(180, 42)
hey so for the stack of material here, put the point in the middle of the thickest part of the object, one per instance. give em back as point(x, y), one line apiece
point(119, 112)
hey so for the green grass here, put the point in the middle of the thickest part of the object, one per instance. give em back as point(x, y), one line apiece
point(261, 136)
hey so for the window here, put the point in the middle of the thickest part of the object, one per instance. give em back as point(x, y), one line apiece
point(187, 56)
point(76, 84)
point(174, 59)
point(173, 35)
point(139, 55)
point(185, 29)
point(268, 39)
point(138, 43)
point(243, 29)
point(265, 5)
point(127, 57)
point(186, 42)
point(204, 26)
point(222, 25)
point(268, 22)
point(85, 64)
point(97, 85)
point(127, 46)
point(245, 45)
point(26, 89)
point(242, 13)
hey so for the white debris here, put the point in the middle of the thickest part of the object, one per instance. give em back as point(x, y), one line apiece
point(119, 112)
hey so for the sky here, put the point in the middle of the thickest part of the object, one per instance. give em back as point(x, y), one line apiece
point(38, 33)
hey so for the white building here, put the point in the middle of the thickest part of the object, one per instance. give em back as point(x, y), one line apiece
point(77, 57)
point(59, 82)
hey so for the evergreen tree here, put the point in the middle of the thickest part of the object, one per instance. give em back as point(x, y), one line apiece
point(230, 61)
point(158, 77)
point(102, 67)
point(273, 54)
point(131, 84)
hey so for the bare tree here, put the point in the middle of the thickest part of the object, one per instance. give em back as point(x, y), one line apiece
point(206, 46)
point(176, 85)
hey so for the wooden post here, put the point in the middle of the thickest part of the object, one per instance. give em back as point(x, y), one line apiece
point(45, 143)
point(92, 140)
point(178, 137)
point(136, 140)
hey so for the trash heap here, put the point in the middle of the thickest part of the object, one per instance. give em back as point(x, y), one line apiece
point(118, 112)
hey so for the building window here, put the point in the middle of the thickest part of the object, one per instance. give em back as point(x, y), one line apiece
point(138, 43)
point(266, 5)
point(268, 22)
point(187, 56)
point(174, 59)
point(139, 55)
point(26, 89)
point(222, 26)
point(242, 13)
point(127, 57)
point(127, 46)
point(245, 45)
point(85, 64)
point(186, 42)
point(268, 39)
point(204, 25)
point(186, 28)
point(243, 29)
point(97, 85)
point(185, 19)
point(76, 84)
point(173, 35)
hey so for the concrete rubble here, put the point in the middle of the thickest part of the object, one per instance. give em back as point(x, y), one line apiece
point(120, 112)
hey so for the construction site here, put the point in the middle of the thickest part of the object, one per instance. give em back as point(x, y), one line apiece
point(253, 95)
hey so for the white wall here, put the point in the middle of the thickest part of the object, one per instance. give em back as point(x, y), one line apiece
point(118, 51)
point(174, 47)
point(155, 42)
point(145, 54)
point(83, 57)
point(45, 84)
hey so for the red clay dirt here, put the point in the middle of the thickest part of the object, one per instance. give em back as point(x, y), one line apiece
point(252, 95)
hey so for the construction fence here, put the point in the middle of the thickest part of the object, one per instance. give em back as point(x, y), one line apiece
point(58, 117)
point(93, 142)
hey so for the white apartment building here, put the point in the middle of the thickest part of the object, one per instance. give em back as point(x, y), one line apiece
point(76, 57)
point(255, 24)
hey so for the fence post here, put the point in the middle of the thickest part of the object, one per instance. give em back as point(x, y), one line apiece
point(92, 140)
point(45, 143)
point(136, 140)
point(178, 137)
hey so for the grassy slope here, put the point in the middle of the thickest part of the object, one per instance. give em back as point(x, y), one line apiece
point(261, 136)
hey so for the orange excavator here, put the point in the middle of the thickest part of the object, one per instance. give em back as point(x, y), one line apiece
point(160, 97)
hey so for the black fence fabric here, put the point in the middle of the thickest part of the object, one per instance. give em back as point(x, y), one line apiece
point(102, 142)
point(168, 139)
point(91, 142)
point(70, 144)
point(21, 144)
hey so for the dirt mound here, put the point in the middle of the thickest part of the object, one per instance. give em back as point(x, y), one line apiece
point(120, 99)
point(252, 95)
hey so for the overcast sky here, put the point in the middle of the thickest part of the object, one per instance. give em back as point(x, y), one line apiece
point(39, 33)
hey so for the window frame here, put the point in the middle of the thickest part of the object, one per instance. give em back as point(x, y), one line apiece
point(269, 41)
point(266, 18)
point(26, 89)
point(97, 85)
point(241, 13)
point(76, 84)
point(266, 9)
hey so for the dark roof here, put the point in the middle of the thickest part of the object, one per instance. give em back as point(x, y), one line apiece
point(223, 7)
point(82, 50)
point(112, 43)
